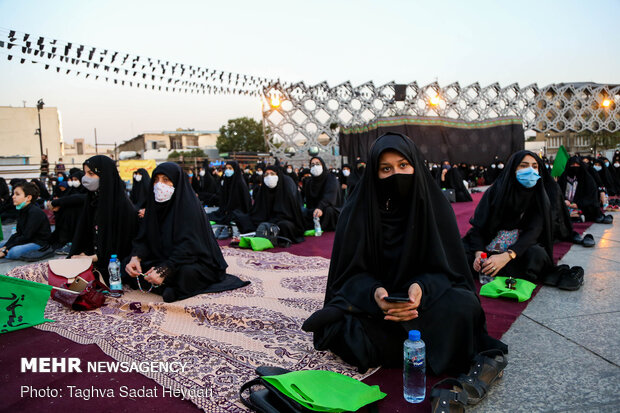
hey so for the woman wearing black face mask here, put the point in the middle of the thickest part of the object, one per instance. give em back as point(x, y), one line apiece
point(582, 192)
point(109, 221)
point(397, 236)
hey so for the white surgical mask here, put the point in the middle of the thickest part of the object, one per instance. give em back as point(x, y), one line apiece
point(271, 181)
point(493, 166)
point(259, 172)
point(138, 178)
point(76, 184)
point(70, 183)
point(162, 192)
point(616, 165)
point(316, 170)
point(202, 173)
point(289, 170)
point(92, 184)
point(346, 172)
point(500, 166)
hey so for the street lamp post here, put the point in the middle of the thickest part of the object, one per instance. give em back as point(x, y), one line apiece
point(39, 107)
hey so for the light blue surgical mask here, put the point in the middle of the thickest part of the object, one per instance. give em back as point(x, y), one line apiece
point(61, 178)
point(528, 177)
point(598, 168)
point(607, 164)
point(229, 172)
point(20, 206)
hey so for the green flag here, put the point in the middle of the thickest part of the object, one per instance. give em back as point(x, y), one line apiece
point(22, 303)
point(559, 163)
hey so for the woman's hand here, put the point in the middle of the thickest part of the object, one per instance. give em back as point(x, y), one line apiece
point(317, 213)
point(153, 277)
point(141, 212)
point(495, 263)
point(133, 268)
point(399, 311)
point(3, 253)
point(477, 267)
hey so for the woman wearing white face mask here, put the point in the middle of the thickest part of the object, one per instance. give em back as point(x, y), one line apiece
point(175, 253)
point(322, 196)
point(207, 189)
point(276, 202)
point(140, 189)
point(67, 211)
point(108, 222)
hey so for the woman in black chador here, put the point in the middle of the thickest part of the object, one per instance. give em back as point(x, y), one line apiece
point(140, 188)
point(235, 195)
point(513, 223)
point(207, 189)
point(451, 178)
point(321, 194)
point(397, 236)
point(109, 221)
point(176, 248)
point(277, 201)
point(67, 212)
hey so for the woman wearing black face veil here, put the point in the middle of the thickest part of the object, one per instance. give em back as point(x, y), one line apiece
point(451, 178)
point(175, 247)
point(321, 195)
point(398, 235)
point(235, 196)
point(109, 221)
point(510, 206)
point(277, 201)
point(581, 191)
point(140, 188)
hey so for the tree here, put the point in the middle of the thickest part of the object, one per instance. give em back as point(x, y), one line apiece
point(241, 135)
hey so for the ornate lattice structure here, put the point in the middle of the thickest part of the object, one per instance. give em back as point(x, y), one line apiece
point(301, 120)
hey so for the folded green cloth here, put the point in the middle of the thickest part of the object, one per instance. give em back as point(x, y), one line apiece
point(497, 288)
point(309, 233)
point(256, 243)
point(211, 222)
point(325, 391)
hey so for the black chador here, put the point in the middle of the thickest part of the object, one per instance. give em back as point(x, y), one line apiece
point(108, 222)
point(392, 233)
point(235, 196)
point(140, 188)
point(322, 192)
point(70, 208)
point(206, 187)
point(579, 187)
point(510, 206)
point(175, 238)
point(453, 179)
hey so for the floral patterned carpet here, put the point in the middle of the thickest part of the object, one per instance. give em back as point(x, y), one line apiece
point(223, 336)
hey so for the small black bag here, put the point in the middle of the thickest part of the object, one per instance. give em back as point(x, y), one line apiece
point(269, 399)
point(450, 195)
point(272, 233)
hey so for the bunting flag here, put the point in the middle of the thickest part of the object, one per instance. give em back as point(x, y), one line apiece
point(157, 74)
point(22, 303)
point(559, 163)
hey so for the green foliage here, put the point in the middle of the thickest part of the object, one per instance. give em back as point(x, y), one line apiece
point(194, 153)
point(174, 155)
point(241, 135)
point(602, 140)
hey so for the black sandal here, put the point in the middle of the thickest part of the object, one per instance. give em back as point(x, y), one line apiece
point(487, 368)
point(448, 400)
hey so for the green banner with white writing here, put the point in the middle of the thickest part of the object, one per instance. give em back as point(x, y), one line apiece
point(22, 303)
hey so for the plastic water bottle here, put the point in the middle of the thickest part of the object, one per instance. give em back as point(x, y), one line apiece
point(114, 269)
point(414, 368)
point(484, 279)
point(317, 227)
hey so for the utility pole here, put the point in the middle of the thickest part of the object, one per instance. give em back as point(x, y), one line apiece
point(38, 132)
point(96, 149)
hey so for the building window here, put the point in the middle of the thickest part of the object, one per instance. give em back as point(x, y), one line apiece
point(80, 148)
point(176, 142)
point(582, 141)
point(153, 145)
point(555, 142)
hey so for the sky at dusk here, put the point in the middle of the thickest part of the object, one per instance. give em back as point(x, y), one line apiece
point(312, 41)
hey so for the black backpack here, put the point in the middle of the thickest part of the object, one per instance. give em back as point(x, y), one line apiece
point(272, 233)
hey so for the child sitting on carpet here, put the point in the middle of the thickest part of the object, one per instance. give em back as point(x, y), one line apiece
point(33, 228)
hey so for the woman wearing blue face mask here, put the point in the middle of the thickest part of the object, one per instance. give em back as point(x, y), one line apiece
point(512, 223)
point(33, 228)
point(235, 195)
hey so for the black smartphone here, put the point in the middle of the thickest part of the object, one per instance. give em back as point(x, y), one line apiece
point(396, 299)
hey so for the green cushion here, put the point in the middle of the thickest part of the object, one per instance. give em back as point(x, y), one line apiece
point(309, 233)
point(256, 243)
point(325, 391)
point(497, 288)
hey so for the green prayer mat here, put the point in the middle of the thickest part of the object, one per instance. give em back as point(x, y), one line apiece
point(325, 391)
point(256, 243)
point(22, 303)
point(497, 288)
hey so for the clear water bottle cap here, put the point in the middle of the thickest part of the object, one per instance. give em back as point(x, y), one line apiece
point(414, 335)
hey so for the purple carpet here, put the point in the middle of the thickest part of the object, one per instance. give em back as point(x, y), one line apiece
point(36, 343)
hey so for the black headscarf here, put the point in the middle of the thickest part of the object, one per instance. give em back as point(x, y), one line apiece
point(292, 174)
point(279, 203)
point(140, 190)
point(177, 231)
point(504, 204)
point(454, 180)
point(560, 216)
point(110, 210)
point(586, 195)
point(43, 192)
point(607, 177)
point(235, 192)
point(4, 189)
point(77, 173)
point(422, 237)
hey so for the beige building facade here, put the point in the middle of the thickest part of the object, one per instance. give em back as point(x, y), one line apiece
point(18, 138)
point(158, 146)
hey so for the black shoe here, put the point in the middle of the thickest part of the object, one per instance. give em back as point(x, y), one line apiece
point(608, 219)
point(551, 279)
point(571, 280)
point(588, 241)
point(577, 239)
